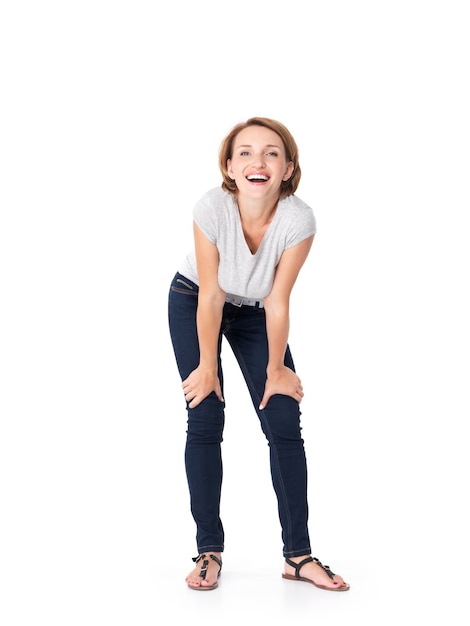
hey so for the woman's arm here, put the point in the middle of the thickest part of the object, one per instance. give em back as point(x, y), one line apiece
point(204, 379)
point(281, 379)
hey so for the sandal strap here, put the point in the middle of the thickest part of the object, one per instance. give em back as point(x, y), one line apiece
point(297, 566)
point(217, 560)
point(309, 559)
point(326, 568)
point(205, 563)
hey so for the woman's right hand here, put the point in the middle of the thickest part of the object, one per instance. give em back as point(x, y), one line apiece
point(199, 384)
point(284, 381)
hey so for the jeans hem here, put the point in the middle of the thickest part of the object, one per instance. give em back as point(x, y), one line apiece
point(301, 552)
point(214, 548)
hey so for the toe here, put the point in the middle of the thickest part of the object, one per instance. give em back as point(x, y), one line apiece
point(340, 582)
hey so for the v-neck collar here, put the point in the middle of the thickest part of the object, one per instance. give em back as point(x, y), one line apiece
point(242, 233)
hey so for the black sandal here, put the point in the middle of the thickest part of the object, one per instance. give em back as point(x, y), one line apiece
point(325, 568)
point(203, 572)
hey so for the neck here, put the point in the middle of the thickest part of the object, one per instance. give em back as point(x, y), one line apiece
point(257, 211)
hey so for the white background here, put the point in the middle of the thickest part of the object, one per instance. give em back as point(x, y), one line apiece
point(111, 118)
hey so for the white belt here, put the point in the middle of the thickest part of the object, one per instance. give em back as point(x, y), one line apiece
point(236, 301)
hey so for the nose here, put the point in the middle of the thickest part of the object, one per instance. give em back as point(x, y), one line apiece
point(258, 159)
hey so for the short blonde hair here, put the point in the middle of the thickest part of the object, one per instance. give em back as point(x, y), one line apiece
point(288, 187)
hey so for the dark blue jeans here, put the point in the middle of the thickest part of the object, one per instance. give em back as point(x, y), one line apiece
point(245, 330)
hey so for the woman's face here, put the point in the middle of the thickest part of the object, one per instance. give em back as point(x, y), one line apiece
point(258, 164)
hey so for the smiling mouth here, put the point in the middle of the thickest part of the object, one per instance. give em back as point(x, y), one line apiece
point(257, 178)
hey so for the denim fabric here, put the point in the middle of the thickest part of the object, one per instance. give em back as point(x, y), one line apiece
point(245, 330)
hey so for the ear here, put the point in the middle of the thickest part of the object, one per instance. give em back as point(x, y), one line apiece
point(229, 169)
point(289, 171)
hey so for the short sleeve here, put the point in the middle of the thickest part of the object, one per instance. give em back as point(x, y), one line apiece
point(203, 215)
point(302, 226)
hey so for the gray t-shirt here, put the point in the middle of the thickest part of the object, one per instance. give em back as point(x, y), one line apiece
point(242, 273)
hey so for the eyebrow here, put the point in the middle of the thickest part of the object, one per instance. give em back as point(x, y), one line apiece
point(269, 145)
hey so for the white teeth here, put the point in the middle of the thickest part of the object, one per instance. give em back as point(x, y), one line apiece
point(257, 177)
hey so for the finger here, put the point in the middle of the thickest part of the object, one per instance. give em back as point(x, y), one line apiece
point(264, 401)
point(218, 393)
point(190, 395)
point(194, 402)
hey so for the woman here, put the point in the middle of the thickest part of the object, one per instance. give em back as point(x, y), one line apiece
point(252, 235)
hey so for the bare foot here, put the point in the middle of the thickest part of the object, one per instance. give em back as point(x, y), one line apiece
point(205, 563)
point(315, 573)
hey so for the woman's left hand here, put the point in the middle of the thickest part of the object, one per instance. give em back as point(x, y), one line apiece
point(283, 381)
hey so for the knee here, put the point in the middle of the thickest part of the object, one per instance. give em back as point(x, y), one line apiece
point(206, 422)
point(281, 422)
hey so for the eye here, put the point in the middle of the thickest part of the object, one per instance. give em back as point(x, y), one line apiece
point(273, 153)
point(244, 153)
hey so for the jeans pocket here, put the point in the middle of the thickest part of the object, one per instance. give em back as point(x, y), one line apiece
point(181, 284)
point(181, 281)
